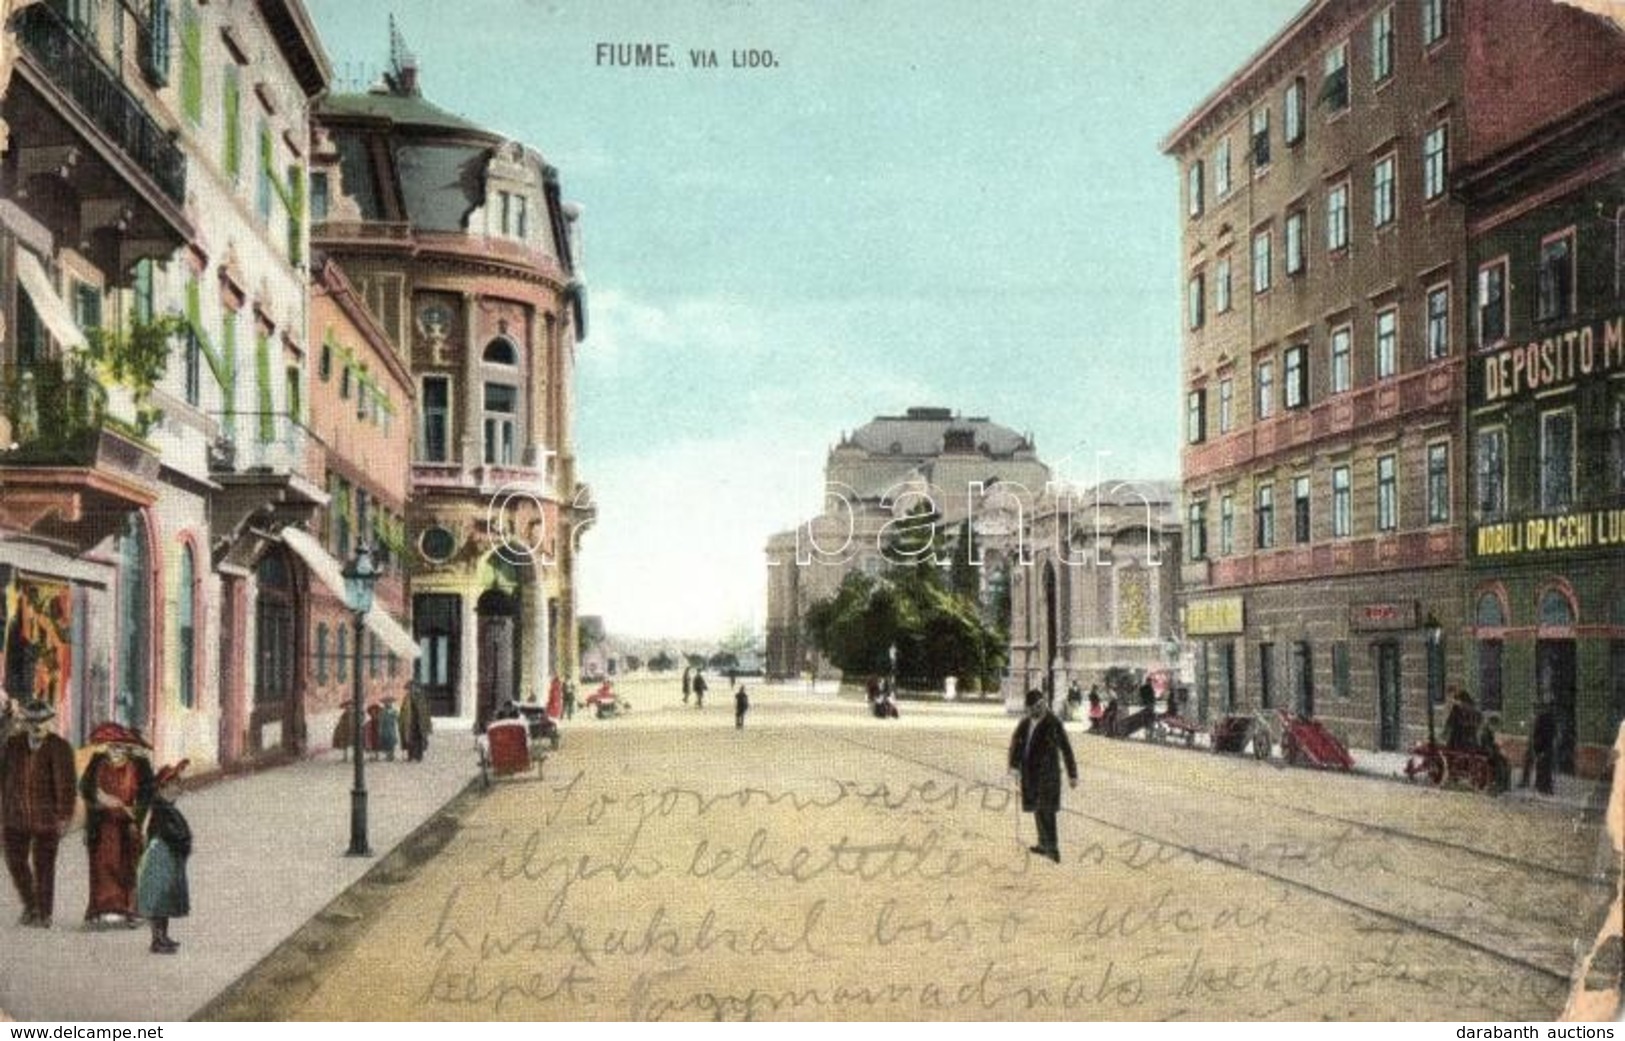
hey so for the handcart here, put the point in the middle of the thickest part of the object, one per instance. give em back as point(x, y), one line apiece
point(606, 704)
point(1176, 728)
point(540, 727)
point(1239, 734)
point(1442, 764)
point(1123, 726)
point(1305, 741)
point(506, 750)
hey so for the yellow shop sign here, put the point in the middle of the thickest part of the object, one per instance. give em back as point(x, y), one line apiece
point(1594, 529)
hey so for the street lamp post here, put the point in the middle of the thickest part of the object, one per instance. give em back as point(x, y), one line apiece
point(891, 654)
point(1435, 633)
point(358, 582)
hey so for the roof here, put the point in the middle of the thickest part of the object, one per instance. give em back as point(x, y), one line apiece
point(921, 432)
point(403, 110)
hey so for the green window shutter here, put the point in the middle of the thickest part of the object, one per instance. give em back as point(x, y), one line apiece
point(295, 201)
point(228, 385)
point(231, 101)
point(192, 66)
point(262, 367)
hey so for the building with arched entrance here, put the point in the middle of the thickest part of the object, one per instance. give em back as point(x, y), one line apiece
point(460, 244)
point(1098, 589)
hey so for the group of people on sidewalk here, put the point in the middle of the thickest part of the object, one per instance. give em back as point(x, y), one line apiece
point(137, 840)
point(694, 685)
point(1468, 729)
point(388, 728)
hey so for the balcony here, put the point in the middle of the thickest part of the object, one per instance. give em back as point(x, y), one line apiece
point(264, 464)
point(78, 127)
point(70, 472)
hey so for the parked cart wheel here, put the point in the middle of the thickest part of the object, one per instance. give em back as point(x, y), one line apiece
point(1438, 769)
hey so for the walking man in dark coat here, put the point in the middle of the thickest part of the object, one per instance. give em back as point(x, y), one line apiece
point(741, 706)
point(38, 792)
point(1542, 749)
point(1034, 747)
point(700, 687)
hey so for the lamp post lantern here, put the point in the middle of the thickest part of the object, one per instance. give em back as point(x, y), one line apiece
point(1435, 633)
point(359, 578)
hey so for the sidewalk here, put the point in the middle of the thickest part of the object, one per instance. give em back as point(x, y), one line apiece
point(268, 853)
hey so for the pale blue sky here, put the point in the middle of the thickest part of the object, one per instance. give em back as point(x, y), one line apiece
point(928, 202)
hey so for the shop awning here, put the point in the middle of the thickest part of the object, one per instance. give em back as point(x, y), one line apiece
point(331, 574)
point(47, 303)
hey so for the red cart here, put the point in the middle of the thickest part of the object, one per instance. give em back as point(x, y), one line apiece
point(506, 750)
point(1442, 764)
point(1305, 741)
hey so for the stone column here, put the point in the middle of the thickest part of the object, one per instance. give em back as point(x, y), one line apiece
point(473, 391)
point(468, 659)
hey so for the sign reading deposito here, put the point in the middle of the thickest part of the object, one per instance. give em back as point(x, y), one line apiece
point(1214, 617)
point(1557, 359)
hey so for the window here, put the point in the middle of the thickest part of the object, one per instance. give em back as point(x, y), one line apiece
point(325, 365)
point(340, 506)
point(1227, 524)
point(1439, 484)
point(1342, 362)
point(1556, 296)
point(436, 418)
point(1194, 293)
point(1382, 45)
point(1616, 440)
point(1261, 261)
point(1264, 529)
point(1300, 509)
point(1294, 243)
point(344, 382)
point(1340, 669)
point(1266, 389)
point(1295, 373)
point(1197, 527)
point(1491, 455)
point(1303, 678)
point(1221, 285)
point(1382, 192)
point(1221, 168)
point(1193, 189)
point(1261, 138)
point(1292, 112)
point(320, 196)
point(262, 183)
point(1492, 303)
point(193, 347)
point(1433, 22)
point(87, 306)
point(1438, 322)
point(192, 65)
point(231, 135)
point(1196, 416)
point(1266, 675)
point(1342, 503)
point(1557, 459)
point(1227, 405)
point(321, 652)
point(501, 407)
point(1387, 343)
point(186, 629)
point(1337, 217)
point(1387, 494)
point(342, 658)
point(141, 291)
point(1435, 160)
point(82, 15)
point(154, 58)
point(372, 654)
point(1334, 89)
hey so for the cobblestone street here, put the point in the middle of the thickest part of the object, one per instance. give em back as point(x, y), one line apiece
point(823, 865)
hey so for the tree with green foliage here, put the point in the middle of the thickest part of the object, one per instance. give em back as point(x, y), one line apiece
point(662, 662)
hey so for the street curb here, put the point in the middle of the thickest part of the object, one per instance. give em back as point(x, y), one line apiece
point(262, 992)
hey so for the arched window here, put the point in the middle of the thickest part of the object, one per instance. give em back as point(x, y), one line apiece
point(134, 647)
point(1489, 614)
point(186, 635)
point(1555, 608)
point(501, 351)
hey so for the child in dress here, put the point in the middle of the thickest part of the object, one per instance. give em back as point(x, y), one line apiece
point(160, 891)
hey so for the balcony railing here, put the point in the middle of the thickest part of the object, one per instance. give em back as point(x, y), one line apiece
point(272, 443)
point(53, 413)
point(93, 85)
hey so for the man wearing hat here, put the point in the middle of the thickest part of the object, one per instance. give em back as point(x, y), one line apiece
point(1038, 740)
point(36, 804)
point(117, 788)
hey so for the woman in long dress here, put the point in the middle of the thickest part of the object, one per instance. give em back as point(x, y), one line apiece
point(117, 788)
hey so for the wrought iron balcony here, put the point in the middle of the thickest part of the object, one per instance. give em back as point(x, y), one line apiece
point(74, 66)
point(53, 412)
point(265, 443)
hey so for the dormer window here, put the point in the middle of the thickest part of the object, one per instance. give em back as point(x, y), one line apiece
point(512, 215)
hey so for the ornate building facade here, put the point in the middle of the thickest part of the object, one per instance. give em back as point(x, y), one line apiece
point(463, 248)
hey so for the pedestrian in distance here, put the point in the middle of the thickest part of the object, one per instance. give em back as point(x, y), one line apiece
point(1492, 748)
point(416, 723)
point(117, 788)
point(162, 892)
point(688, 682)
point(741, 706)
point(37, 792)
point(569, 700)
point(1037, 749)
point(344, 731)
point(389, 728)
point(1541, 750)
point(699, 689)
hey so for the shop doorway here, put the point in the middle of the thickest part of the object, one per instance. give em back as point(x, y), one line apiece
point(497, 678)
point(437, 624)
point(1555, 677)
point(1389, 729)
